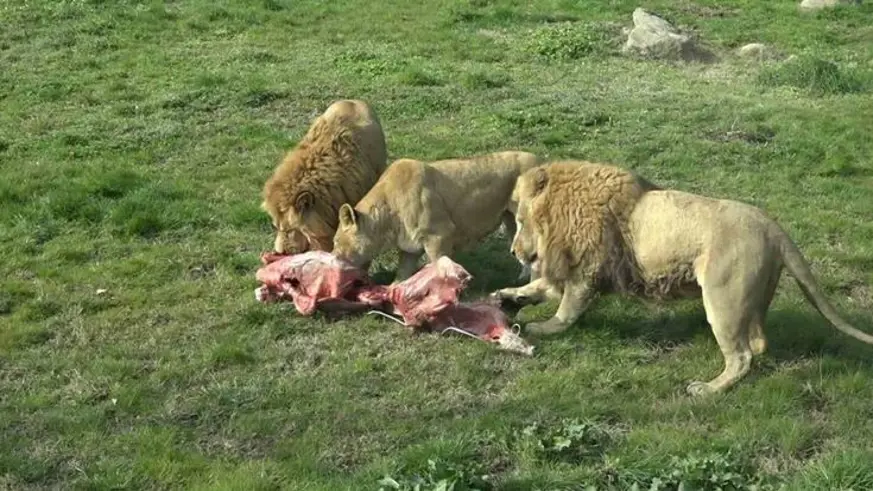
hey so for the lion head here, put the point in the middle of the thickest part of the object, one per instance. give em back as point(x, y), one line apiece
point(338, 160)
point(355, 240)
point(525, 243)
point(571, 221)
point(298, 224)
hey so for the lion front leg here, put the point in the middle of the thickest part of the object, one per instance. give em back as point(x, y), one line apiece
point(535, 292)
point(436, 247)
point(574, 302)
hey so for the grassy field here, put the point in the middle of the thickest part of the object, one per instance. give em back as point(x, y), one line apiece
point(135, 137)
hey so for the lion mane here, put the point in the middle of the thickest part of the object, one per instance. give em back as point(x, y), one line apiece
point(337, 161)
point(580, 212)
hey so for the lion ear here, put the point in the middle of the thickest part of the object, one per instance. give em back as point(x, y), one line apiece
point(304, 202)
point(540, 180)
point(348, 217)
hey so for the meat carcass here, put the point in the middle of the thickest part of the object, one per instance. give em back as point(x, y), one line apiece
point(484, 321)
point(316, 279)
point(429, 299)
point(428, 292)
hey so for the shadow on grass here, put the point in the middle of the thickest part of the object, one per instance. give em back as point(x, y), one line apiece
point(491, 265)
point(792, 333)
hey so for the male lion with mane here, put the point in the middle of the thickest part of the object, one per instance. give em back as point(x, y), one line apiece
point(584, 228)
point(341, 156)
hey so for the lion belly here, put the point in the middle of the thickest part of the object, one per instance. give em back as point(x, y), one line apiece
point(670, 233)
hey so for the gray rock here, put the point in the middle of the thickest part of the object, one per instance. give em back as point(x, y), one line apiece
point(820, 4)
point(654, 37)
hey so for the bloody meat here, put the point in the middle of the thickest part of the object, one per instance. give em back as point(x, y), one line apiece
point(317, 280)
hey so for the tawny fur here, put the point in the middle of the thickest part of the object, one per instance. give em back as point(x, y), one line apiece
point(338, 160)
point(587, 228)
point(597, 201)
point(433, 208)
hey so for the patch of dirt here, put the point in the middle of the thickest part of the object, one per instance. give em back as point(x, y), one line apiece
point(706, 11)
point(353, 453)
point(857, 292)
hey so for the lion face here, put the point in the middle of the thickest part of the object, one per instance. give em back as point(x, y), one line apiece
point(298, 228)
point(524, 243)
point(353, 241)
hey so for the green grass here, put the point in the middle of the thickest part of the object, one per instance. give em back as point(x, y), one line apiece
point(135, 137)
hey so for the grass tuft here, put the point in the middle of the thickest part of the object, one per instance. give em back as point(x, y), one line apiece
point(814, 75)
point(419, 78)
point(480, 80)
point(570, 41)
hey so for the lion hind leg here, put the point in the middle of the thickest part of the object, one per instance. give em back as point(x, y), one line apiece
point(757, 339)
point(730, 319)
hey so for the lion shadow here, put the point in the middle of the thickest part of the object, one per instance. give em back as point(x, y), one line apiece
point(792, 333)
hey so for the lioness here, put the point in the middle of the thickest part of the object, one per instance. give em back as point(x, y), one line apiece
point(337, 161)
point(432, 208)
point(587, 228)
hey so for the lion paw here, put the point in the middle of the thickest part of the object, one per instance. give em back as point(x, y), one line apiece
point(510, 296)
point(699, 389)
point(551, 326)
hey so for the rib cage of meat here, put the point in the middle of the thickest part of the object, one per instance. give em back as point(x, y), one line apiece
point(318, 280)
point(313, 279)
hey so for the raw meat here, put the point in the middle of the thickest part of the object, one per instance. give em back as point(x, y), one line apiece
point(315, 279)
point(483, 320)
point(428, 292)
point(429, 299)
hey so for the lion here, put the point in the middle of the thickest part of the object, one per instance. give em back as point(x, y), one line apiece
point(431, 208)
point(587, 228)
point(338, 160)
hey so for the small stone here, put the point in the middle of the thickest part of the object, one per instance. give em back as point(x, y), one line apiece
point(821, 4)
point(760, 52)
point(753, 50)
point(655, 37)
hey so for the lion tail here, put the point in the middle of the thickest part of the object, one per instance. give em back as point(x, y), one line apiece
point(799, 268)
